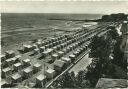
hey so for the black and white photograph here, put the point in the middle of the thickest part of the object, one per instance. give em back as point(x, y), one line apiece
point(64, 44)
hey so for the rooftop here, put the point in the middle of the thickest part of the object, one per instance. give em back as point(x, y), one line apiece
point(111, 83)
point(28, 70)
point(66, 59)
point(41, 77)
point(55, 55)
point(18, 56)
point(39, 42)
point(9, 52)
point(42, 47)
point(27, 46)
point(3, 82)
point(2, 55)
point(16, 76)
point(72, 55)
point(50, 70)
point(8, 60)
point(48, 51)
point(6, 69)
point(59, 63)
point(36, 49)
point(17, 64)
point(14, 58)
point(26, 60)
point(60, 52)
point(37, 65)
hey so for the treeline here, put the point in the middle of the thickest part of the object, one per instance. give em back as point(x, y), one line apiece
point(114, 17)
point(106, 63)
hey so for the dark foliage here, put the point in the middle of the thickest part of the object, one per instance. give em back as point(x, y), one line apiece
point(114, 17)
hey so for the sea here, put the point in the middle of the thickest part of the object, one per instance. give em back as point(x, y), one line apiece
point(13, 21)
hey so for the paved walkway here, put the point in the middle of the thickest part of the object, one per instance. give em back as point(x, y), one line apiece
point(82, 64)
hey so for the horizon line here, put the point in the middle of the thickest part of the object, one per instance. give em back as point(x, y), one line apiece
point(56, 13)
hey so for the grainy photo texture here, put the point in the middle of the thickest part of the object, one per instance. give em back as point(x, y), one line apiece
point(68, 44)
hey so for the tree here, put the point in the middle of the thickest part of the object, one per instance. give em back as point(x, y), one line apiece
point(80, 77)
point(113, 32)
point(101, 48)
point(95, 46)
point(65, 81)
point(118, 55)
point(85, 84)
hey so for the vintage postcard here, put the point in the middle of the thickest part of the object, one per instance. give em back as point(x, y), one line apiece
point(64, 44)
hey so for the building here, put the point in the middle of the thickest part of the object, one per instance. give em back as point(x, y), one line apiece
point(10, 54)
point(40, 80)
point(50, 73)
point(36, 51)
point(71, 47)
point(55, 48)
point(68, 49)
point(26, 62)
point(72, 57)
point(59, 65)
point(37, 67)
point(65, 51)
point(55, 57)
point(14, 60)
point(18, 56)
point(34, 46)
point(42, 49)
point(3, 58)
point(58, 47)
point(28, 72)
point(60, 53)
point(67, 60)
point(39, 44)
point(4, 84)
point(76, 53)
point(111, 83)
point(27, 48)
point(16, 78)
point(6, 72)
point(9, 62)
point(17, 66)
point(47, 52)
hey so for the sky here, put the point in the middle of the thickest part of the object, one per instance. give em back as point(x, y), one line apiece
point(91, 7)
